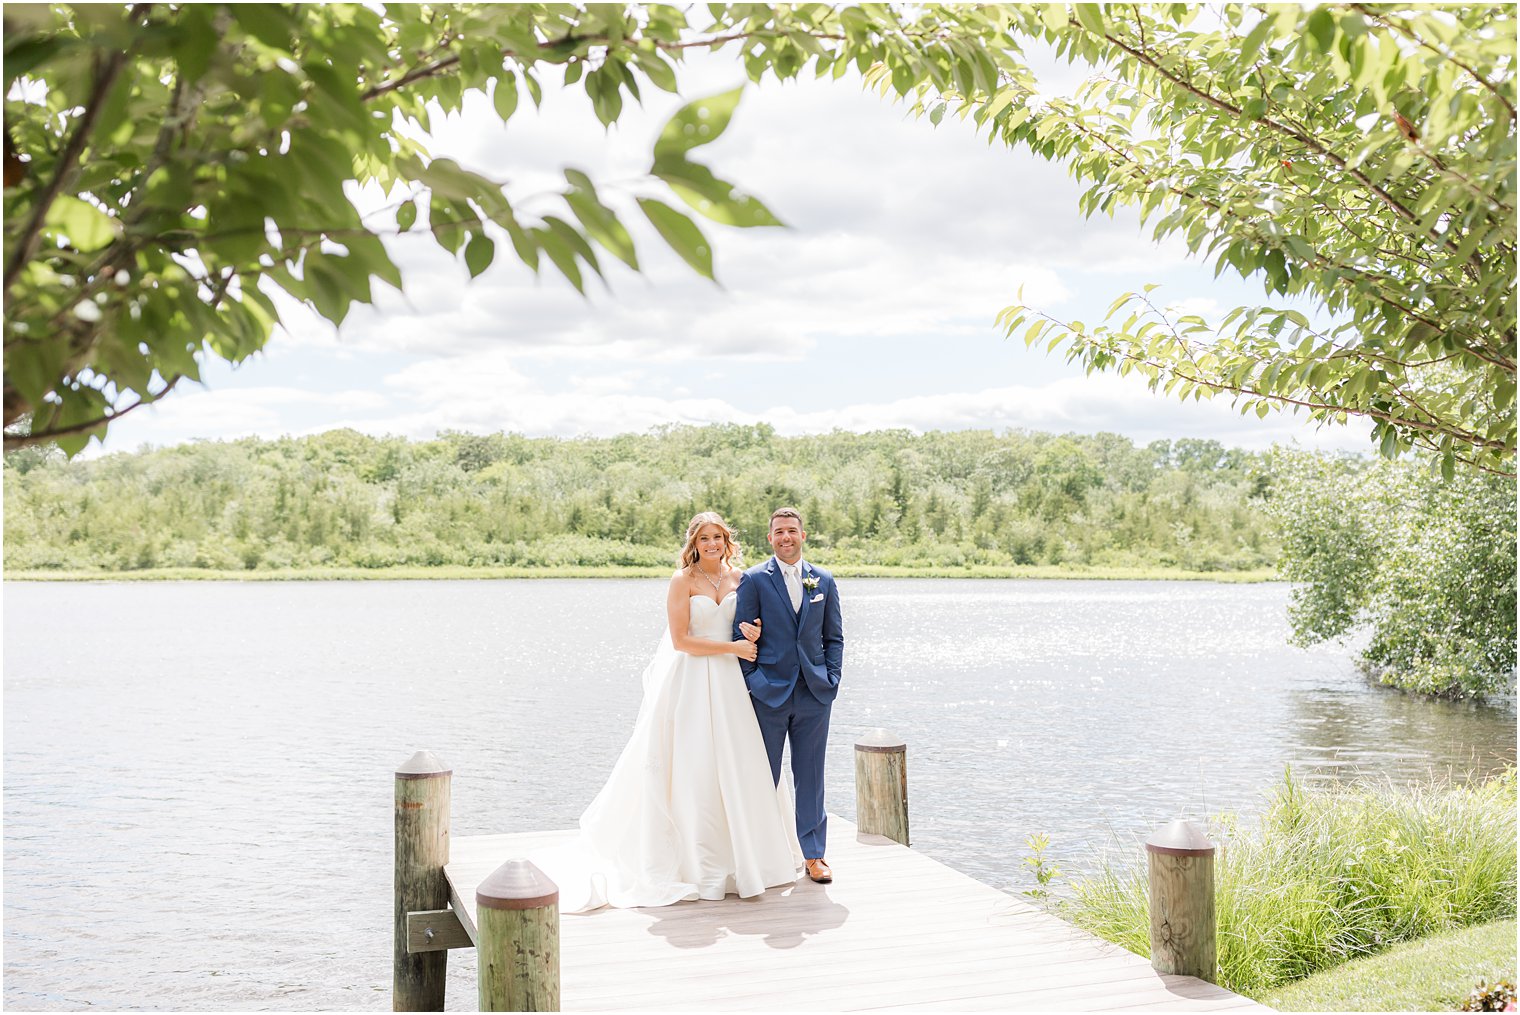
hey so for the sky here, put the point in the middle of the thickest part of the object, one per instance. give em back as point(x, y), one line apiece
point(874, 308)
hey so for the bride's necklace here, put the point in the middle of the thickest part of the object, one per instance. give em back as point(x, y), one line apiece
point(704, 574)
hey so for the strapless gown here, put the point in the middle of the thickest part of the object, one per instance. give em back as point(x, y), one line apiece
point(689, 811)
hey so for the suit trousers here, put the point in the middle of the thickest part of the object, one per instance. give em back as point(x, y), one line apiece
point(805, 721)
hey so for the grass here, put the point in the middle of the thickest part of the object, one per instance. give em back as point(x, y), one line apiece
point(1330, 876)
point(1432, 974)
point(456, 571)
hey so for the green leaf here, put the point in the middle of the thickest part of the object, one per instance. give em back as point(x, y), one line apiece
point(504, 96)
point(1320, 28)
point(113, 123)
point(1091, 17)
point(269, 23)
point(1000, 101)
point(478, 254)
point(86, 226)
point(33, 368)
point(193, 42)
point(406, 215)
point(367, 252)
point(574, 240)
point(327, 288)
point(1055, 17)
point(1299, 246)
point(563, 257)
point(524, 243)
point(447, 223)
point(715, 198)
point(1254, 41)
point(447, 178)
point(29, 54)
point(661, 74)
point(696, 123)
point(599, 221)
point(681, 233)
point(606, 96)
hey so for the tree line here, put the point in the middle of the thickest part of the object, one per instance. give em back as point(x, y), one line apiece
point(1423, 565)
point(344, 499)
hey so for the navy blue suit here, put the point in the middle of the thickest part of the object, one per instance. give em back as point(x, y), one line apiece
point(793, 680)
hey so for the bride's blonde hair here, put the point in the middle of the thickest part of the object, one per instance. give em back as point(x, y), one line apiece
point(689, 555)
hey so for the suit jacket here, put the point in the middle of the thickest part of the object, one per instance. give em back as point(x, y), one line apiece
point(808, 644)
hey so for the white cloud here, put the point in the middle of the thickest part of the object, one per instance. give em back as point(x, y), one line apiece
point(1103, 402)
point(501, 398)
point(896, 227)
point(224, 414)
point(785, 293)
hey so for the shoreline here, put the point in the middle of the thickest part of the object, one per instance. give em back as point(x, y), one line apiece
point(462, 573)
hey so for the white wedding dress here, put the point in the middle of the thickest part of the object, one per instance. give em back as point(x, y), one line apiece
point(689, 811)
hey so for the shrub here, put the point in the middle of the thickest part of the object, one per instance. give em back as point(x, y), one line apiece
point(1425, 565)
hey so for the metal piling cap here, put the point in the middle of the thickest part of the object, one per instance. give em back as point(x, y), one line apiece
point(1180, 838)
point(879, 741)
point(517, 884)
point(423, 765)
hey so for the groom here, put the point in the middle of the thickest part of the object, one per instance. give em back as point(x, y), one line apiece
point(793, 680)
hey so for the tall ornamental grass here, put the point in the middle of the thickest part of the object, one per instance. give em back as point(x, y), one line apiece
point(1330, 875)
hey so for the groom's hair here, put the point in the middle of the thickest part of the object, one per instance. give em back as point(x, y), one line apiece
point(786, 512)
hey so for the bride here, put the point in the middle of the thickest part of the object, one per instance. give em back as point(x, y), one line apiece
point(690, 810)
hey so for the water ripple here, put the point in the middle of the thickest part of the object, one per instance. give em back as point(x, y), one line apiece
point(198, 791)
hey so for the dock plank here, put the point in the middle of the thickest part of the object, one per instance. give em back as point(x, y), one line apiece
point(895, 931)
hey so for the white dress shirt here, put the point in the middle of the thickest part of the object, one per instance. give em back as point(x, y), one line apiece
point(793, 575)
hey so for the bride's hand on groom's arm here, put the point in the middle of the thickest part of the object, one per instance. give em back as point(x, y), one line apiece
point(751, 632)
point(745, 649)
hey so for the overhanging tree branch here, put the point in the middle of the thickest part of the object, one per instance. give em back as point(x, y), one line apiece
point(1348, 275)
point(1378, 16)
point(1084, 345)
point(49, 434)
point(67, 166)
point(1301, 137)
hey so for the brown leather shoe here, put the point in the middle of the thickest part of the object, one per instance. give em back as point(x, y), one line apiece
point(818, 870)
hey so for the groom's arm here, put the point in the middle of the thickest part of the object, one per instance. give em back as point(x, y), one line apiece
point(833, 635)
point(746, 611)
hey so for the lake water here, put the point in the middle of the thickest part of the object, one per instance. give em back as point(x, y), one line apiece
point(199, 776)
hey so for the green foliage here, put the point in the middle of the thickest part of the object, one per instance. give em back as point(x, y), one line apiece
point(1327, 876)
point(1360, 157)
point(1040, 867)
point(1431, 974)
point(341, 499)
point(168, 167)
point(172, 163)
point(1426, 565)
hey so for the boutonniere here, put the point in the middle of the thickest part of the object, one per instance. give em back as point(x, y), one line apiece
point(810, 583)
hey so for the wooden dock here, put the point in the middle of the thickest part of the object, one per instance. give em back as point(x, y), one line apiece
point(895, 930)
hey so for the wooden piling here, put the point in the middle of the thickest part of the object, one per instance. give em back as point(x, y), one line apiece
point(423, 788)
point(1181, 862)
point(517, 913)
point(881, 785)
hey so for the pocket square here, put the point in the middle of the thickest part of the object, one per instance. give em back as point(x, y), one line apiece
point(817, 599)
